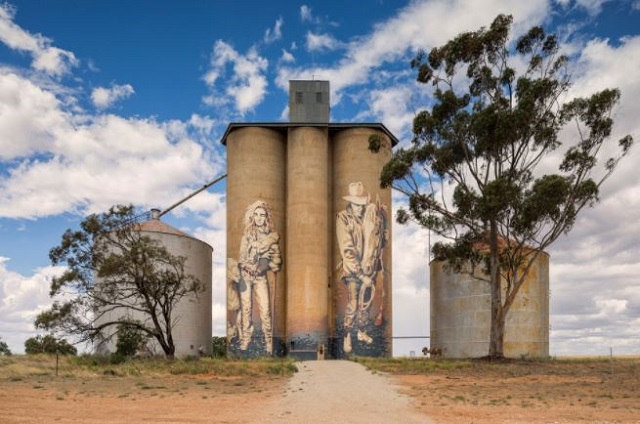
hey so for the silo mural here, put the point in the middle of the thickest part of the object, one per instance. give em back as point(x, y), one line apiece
point(259, 261)
point(255, 243)
point(362, 233)
point(308, 235)
point(362, 248)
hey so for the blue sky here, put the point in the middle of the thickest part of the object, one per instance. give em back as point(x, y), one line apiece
point(125, 102)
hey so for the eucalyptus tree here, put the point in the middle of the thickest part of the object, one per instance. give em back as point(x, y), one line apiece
point(116, 277)
point(494, 128)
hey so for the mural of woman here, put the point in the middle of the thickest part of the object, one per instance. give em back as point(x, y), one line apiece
point(259, 258)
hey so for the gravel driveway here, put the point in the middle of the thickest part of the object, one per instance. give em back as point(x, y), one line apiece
point(341, 392)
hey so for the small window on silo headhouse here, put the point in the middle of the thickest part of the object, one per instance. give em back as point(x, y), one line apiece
point(299, 97)
point(319, 97)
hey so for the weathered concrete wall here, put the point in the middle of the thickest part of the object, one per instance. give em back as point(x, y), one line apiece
point(308, 239)
point(356, 168)
point(256, 164)
point(461, 314)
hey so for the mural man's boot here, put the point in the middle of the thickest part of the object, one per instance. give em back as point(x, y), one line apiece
point(364, 337)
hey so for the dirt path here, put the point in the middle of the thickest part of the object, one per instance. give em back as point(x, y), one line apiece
point(341, 392)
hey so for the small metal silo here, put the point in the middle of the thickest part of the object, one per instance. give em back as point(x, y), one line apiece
point(192, 314)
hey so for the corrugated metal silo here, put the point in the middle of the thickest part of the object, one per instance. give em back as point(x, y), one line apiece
point(192, 314)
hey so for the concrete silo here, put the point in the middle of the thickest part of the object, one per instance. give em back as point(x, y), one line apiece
point(461, 314)
point(308, 239)
point(256, 178)
point(297, 262)
point(191, 316)
point(361, 315)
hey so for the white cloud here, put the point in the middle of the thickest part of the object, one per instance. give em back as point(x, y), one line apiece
point(305, 13)
point(46, 58)
point(593, 7)
point(22, 298)
point(90, 163)
point(420, 25)
point(103, 97)
point(320, 42)
point(594, 300)
point(30, 117)
point(247, 85)
point(287, 57)
point(274, 34)
point(392, 107)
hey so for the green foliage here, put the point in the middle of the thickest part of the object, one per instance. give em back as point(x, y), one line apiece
point(48, 344)
point(131, 340)
point(4, 348)
point(489, 129)
point(219, 347)
point(112, 266)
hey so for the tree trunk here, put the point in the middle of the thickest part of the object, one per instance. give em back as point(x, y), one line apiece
point(496, 334)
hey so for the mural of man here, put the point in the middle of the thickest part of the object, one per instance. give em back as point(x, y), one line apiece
point(259, 255)
point(358, 274)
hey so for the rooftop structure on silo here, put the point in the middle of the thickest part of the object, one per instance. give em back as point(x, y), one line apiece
point(309, 102)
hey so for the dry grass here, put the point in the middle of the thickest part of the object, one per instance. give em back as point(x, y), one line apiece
point(87, 366)
point(585, 389)
point(93, 389)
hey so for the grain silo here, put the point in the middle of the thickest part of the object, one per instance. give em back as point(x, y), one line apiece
point(321, 285)
point(461, 313)
point(256, 177)
point(191, 316)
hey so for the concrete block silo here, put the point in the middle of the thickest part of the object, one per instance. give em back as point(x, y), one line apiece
point(461, 314)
